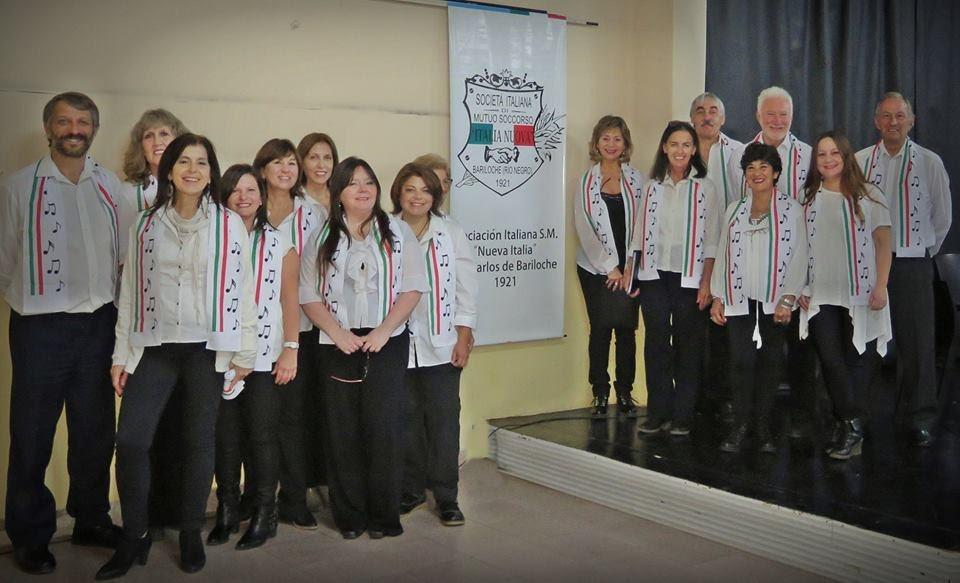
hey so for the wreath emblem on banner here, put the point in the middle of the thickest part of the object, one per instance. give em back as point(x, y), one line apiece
point(510, 136)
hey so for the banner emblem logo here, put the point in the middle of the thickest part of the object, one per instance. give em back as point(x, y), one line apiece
point(510, 135)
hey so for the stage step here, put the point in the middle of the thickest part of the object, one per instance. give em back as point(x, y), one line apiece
point(807, 541)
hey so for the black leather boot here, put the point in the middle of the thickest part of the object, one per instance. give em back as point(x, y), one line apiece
point(626, 405)
point(851, 440)
point(836, 437)
point(263, 526)
point(192, 555)
point(734, 442)
point(129, 551)
point(228, 522)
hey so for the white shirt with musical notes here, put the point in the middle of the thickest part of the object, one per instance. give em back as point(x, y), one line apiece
point(929, 217)
point(422, 349)
point(85, 268)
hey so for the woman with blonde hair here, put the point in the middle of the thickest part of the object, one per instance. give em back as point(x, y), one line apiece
point(605, 216)
point(845, 305)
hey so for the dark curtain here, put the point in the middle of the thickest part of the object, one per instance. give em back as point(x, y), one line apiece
point(836, 58)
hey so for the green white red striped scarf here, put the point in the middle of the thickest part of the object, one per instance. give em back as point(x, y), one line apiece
point(267, 264)
point(858, 248)
point(782, 240)
point(591, 201)
point(224, 285)
point(794, 173)
point(908, 196)
point(695, 213)
point(47, 239)
point(389, 257)
point(442, 278)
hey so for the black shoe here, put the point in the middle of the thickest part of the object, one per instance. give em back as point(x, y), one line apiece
point(129, 551)
point(734, 442)
point(599, 406)
point(192, 555)
point(653, 425)
point(263, 526)
point(680, 429)
point(104, 535)
point(626, 405)
point(302, 519)
point(410, 502)
point(450, 514)
point(765, 441)
point(375, 534)
point(351, 534)
point(922, 438)
point(228, 522)
point(35, 559)
point(851, 441)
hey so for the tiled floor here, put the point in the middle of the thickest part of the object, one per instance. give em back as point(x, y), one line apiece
point(515, 531)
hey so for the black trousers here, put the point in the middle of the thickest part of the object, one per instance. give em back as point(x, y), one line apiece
point(754, 373)
point(166, 469)
point(308, 366)
point(148, 389)
point(847, 373)
point(673, 346)
point(294, 458)
point(364, 450)
point(912, 316)
point(609, 312)
point(253, 416)
point(801, 369)
point(431, 428)
point(59, 360)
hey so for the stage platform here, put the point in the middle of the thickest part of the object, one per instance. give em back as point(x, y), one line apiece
point(891, 515)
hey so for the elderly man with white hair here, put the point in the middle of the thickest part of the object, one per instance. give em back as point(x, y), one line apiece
point(707, 115)
point(775, 116)
point(918, 196)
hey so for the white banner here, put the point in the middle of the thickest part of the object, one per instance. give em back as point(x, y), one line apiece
point(507, 141)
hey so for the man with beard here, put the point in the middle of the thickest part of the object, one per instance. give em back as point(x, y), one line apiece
point(59, 259)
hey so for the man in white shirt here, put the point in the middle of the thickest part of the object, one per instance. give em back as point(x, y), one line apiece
point(917, 190)
point(707, 114)
point(775, 116)
point(59, 256)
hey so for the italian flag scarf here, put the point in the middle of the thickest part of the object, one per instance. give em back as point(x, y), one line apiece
point(857, 248)
point(694, 209)
point(46, 239)
point(267, 264)
point(591, 201)
point(389, 256)
point(225, 268)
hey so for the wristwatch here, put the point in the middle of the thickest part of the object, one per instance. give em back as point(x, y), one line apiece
point(292, 345)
